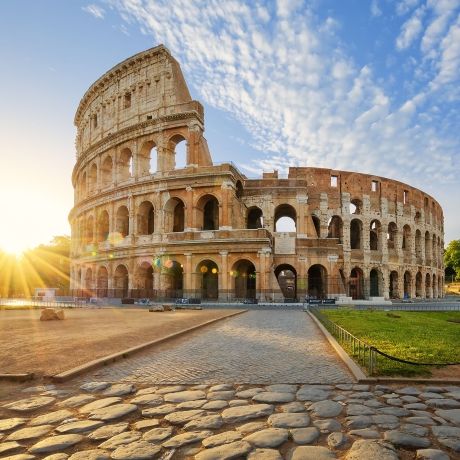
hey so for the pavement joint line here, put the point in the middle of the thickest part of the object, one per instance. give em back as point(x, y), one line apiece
point(356, 371)
point(71, 373)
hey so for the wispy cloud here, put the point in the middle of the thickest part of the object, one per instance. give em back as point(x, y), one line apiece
point(95, 10)
point(375, 9)
point(411, 29)
point(283, 72)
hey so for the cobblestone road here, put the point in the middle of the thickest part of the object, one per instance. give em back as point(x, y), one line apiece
point(254, 347)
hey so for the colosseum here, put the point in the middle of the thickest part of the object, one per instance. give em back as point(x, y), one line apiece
point(154, 217)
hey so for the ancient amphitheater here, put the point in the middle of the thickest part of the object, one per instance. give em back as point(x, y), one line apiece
point(150, 221)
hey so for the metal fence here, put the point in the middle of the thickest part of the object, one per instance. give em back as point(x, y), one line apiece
point(368, 356)
point(408, 307)
point(363, 353)
point(38, 303)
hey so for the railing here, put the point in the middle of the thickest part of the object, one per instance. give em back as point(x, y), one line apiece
point(363, 353)
point(34, 302)
point(366, 355)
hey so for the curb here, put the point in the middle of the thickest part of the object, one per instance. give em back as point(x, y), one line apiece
point(409, 380)
point(71, 373)
point(356, 371)
point(17, 377)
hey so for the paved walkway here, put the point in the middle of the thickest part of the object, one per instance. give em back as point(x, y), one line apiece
point(254, 347)
point(103, 421)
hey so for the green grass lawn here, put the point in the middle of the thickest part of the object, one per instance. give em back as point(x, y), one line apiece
point(414, 336)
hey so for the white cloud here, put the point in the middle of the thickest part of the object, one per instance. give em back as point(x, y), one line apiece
point(95, 10)
point(375, 9)
point(449, 63)
point(295, 88)
point(404, 6)
point(410, 30)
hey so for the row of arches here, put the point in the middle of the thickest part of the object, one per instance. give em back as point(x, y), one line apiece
point(165, 279)
point(145, 220)
point(115, 168)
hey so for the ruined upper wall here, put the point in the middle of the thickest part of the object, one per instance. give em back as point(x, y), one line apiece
point(144, 87)
point(336, 184)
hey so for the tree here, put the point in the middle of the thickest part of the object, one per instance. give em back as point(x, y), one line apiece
point(452, 258)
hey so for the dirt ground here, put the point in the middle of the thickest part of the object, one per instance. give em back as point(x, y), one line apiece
point(49, 347)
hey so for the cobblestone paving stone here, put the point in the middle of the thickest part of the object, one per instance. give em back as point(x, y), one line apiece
point(254, 430)
point(254, 347)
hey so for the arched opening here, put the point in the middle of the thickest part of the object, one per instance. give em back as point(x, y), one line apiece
point(209, 279)
point(121, 282)
point(317, 225)
point(147, 159)
point(89, 282)
point(107, 171)
point(285, 218)
point(406, 242)
point(244, 275)
point(145, 218)
point(93, 178)
point(427, 249)
point(440, 287)
point(434, 253)
point(171, 278)
point(208, 212)
point(122, 223)
point(355, 234)
point(375, 285)
point(428, 286)
point(317, 282)
point(418, 245)
point(374, 232)
point(174, 215)
point(418, 285)
point(89, 235)
point(435, 287)
point(255, 218)
point(145, 280)
point(407, 285)
point(287, 280)
point(391, 235)
point(125, 165)
point(394, 292)
point(102, 282)
point(356, 284)
point(335, 228)
point(356, 206)
point(103, 226)
point(177, 146)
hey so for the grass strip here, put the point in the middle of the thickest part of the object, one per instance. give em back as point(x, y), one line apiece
point(414, 336)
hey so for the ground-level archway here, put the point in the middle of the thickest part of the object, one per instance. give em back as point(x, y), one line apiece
point(375, 283)
point(356, 284)
point(171, 279)
point(244, 278)
point(317, 282)
point(120, 282)
point(208, 274)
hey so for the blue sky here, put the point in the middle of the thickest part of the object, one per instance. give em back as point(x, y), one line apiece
point(371, 86)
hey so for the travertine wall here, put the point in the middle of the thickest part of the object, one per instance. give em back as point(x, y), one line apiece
point(144, 227)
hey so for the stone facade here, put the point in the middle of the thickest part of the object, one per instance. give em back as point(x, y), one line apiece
point(145, 226)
